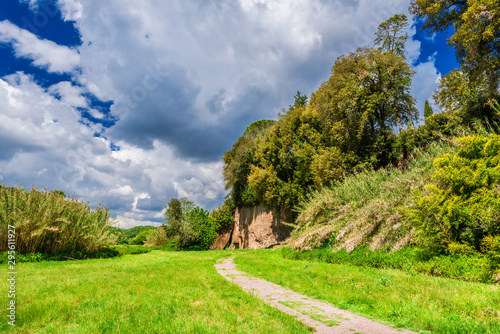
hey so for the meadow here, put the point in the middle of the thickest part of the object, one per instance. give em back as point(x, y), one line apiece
point(181, 292)
point(157, 292)
point(414, 301)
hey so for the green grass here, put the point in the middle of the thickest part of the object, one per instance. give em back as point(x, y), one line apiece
point(408, 300)
point(472, 268)
point(157, 292)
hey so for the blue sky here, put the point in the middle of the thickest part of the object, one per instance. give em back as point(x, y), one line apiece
point(130, 104)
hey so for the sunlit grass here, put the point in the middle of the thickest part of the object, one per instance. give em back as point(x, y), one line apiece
point(157, 292)
point(412, 301)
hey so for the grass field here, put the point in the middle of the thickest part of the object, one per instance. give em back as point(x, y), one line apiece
point(181, 292)
point(157, 292)
point(413, 301)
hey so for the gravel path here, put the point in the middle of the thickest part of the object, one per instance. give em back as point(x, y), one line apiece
point(324, 318)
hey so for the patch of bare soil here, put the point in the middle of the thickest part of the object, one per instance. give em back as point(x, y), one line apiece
point(324, 318)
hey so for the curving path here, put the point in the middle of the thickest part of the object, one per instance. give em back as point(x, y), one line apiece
point(324, 318)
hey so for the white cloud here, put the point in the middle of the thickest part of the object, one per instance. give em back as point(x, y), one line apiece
point(186, 78)
point(71, 9)
point(425, 82)
point(70, 95)
point(44, 53)
point(43, 143)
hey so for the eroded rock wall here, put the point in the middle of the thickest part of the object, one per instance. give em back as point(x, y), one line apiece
point(258, 227)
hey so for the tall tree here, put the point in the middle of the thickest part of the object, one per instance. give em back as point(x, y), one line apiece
point(238, 160)
point(427, 109)
point(477, 33)
point(391, 35)
point(367, 94)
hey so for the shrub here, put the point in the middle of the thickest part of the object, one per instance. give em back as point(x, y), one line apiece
point(141, 237)
point(157, 237)
point(222, 216)
point(47, 222)
point(462, 205)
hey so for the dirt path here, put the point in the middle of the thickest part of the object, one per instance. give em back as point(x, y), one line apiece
point(321, 316)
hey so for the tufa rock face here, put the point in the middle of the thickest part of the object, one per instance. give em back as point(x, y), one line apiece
point(258, 227)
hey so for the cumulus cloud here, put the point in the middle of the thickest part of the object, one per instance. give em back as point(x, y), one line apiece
point(185, 79)
point(166, 64)
point(71, 9)
point(44, 53)
point(43, 143)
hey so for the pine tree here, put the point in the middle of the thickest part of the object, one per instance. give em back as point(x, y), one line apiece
point(428, 109)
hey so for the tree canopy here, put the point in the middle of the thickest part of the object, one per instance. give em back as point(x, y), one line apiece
point(476, 36)
point(391, 36)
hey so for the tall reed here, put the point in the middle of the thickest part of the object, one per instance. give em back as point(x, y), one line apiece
point(48, 222)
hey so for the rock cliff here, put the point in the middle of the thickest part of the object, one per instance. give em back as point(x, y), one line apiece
point(254, 227)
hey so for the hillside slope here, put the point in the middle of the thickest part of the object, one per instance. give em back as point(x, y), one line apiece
point(366, 207)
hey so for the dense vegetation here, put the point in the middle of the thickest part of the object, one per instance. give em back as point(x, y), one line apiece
point(132, 236)
point(190, 227)
point(48, 222)
point(353, 181)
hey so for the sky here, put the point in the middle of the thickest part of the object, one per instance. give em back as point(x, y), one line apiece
point(130, 103)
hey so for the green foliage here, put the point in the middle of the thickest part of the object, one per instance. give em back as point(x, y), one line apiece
point(346, 124)
point(47, 222)
point(222, 215)
point(391, 35)
point(141, 237)
point(281, 172)
point(428, 109)
point(476, 36)
point(258, 128)
point(238, 161)
point(490, 246)
point(463, 265)
point(203, 229)
point(187, 225)
point(462, 205)
point(458, 92)
point(126, 236)
point(364, 208)
point(157, 237)
point(175, 216)
point(300, 101)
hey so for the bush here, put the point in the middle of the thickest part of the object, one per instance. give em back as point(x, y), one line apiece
point(157, 237)
point(47, 222)
point(141, 237)
point(462, 205)
point(222, 216)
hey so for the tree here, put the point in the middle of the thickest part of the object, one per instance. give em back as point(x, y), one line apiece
point(477, 33)
point(203, 230)
point(175, 215)
point(238, 160)
point(458, 93)
point(189, 224)
point(281, 173)
point(427, 109)
point(300, 101)
point(391, 36)
point(367, 94)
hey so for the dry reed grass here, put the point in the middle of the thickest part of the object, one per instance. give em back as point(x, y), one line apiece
point(47, 222)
